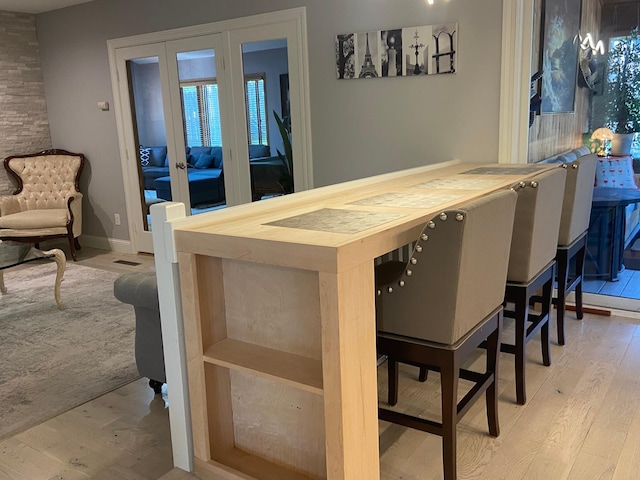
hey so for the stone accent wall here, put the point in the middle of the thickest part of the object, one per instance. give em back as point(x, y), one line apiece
point(24, 126)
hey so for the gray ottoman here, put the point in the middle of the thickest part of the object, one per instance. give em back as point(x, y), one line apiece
point(141, 290)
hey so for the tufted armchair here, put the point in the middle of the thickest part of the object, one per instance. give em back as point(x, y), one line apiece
point(47, 203)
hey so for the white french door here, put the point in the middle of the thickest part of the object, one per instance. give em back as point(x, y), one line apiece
point(145, 103)
point(249, 50)
point(192, 100)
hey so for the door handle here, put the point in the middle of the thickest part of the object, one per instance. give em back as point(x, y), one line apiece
point(181, 165)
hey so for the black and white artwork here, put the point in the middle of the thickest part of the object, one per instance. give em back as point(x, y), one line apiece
point(345, 51)
point(368, 55)
point(444, 56)
point(402, 52)
point(391, 52)
point(418, 45)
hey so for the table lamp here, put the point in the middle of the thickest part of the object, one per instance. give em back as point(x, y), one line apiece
point(604, 136)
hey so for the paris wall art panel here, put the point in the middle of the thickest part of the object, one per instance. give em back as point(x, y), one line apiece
point(402, 52)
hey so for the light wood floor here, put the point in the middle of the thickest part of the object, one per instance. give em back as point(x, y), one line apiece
point(581, 420)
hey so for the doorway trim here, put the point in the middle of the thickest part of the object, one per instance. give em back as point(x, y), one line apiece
point(304, 181)
point(517, 42)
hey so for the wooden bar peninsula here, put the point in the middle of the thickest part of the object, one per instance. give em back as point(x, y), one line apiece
point(278, 306)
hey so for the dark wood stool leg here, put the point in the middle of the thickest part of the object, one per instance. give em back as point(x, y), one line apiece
point(392, 369)
point(544, 332)
point(580, 257)
point(521, 315)
point(562, 266)
point(449, 376)
point(424, 372)
point(493, 354)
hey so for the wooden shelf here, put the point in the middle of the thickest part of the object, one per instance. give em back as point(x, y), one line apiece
point(241, 465)
point(294, 370)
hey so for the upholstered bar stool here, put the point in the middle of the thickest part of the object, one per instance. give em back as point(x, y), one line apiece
point(531, 265)
point(572, 239)
point(437, 308)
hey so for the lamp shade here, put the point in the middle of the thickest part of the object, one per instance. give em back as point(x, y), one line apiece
point(602, 133)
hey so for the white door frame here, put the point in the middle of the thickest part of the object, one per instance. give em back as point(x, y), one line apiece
point(517, 42)
point(128, 155)
point(294, 18)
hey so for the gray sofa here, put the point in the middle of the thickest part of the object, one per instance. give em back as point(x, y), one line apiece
point(140, 290)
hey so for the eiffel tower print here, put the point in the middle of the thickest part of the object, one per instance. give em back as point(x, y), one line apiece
point(368, 69)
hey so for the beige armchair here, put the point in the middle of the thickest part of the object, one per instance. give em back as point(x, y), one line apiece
point(47, 203)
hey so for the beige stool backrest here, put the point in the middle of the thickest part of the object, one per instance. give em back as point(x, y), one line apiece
point(578, 192)
point(537, 222)
point(456, 275)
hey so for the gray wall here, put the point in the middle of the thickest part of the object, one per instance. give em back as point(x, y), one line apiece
point(359, 127)
point(23, 112)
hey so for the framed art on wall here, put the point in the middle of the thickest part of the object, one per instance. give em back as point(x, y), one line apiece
point(401, 52)
point(559, 54)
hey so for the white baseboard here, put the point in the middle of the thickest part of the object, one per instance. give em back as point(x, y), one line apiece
point(91, 241)
point(110, 244)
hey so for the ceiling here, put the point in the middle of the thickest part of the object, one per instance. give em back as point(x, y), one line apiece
point(39, 6)
point(36, 6)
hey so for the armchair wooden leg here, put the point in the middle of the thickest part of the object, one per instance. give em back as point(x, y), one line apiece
point(72, 247)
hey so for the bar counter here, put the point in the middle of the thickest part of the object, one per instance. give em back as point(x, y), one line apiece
point(278, 305)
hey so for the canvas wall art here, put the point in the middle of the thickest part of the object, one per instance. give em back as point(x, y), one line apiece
point(402, 52)
point(561, 27)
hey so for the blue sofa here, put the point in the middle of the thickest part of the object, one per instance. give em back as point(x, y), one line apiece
point(204, 171)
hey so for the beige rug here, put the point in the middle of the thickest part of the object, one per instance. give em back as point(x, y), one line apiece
point(53, 360)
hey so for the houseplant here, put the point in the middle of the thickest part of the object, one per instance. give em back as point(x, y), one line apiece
point(287, 157)
point(623, 92)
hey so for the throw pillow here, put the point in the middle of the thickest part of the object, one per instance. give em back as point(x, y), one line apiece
point(205, 160)
point(144, 156)
point(615, 172)
point(158, 156)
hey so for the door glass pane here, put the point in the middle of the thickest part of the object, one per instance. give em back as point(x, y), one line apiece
point(148, 130)
point(202, 130)
point(266, 81)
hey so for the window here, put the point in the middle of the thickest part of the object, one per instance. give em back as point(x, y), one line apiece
point(201, 112)
point(256, 110)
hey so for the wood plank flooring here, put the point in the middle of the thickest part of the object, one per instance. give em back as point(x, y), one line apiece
point(581, 420)
point(627, 286)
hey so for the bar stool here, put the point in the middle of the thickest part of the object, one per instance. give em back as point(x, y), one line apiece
point(434, 310)
point(572, 239)
point(531, 265)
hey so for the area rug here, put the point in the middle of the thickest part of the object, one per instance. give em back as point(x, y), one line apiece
point(53, 360)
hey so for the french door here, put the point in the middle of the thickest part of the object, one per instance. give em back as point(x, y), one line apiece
point(281, 126)
point(211, 119)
